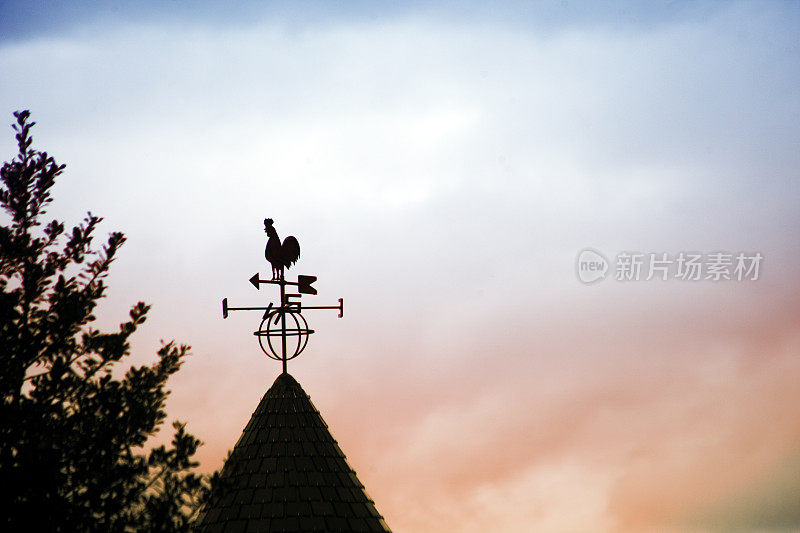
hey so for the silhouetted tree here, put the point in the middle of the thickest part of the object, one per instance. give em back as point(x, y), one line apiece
point(72, 434)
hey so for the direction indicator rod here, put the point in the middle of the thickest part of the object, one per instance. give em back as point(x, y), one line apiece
point(254, 308)
point(226, 308)
point(282, 309)
point(340, 307)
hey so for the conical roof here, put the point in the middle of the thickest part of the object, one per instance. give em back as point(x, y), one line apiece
point(287, 473)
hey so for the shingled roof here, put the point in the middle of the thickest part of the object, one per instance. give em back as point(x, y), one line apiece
point(287, 473)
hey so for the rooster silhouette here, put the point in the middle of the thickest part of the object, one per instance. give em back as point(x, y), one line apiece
point(279, 255)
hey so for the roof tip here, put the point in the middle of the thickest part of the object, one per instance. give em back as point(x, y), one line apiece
point(285, 378)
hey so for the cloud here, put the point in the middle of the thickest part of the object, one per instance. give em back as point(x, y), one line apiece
point(768, 504)
point(441, 176)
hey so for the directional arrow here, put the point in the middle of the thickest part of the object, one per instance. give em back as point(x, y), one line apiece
point(303, 283)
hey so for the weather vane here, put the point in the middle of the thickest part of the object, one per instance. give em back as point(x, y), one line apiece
point(285, 321)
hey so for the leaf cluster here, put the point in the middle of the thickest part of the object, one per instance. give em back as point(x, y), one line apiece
point(73, 433)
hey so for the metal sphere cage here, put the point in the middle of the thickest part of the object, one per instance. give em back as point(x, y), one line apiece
point(296, 329)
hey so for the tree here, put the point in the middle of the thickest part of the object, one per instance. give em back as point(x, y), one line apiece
point(73, 434)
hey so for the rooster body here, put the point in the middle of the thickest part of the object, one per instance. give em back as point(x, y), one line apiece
point(280, 255)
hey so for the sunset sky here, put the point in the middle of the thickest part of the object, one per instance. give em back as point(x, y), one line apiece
point(443, 165)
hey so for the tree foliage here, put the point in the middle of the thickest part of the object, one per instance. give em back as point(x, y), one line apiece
point(73, 433)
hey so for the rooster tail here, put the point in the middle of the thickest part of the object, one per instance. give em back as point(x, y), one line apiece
point(290, 250)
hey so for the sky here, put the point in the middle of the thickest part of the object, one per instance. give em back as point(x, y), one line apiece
point(443, 165)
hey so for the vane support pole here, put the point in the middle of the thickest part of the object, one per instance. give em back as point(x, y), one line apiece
point(283, 325)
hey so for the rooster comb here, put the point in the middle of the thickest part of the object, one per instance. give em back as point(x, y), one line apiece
point(267, 222)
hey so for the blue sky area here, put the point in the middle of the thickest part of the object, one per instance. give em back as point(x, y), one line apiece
point(21, 19)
